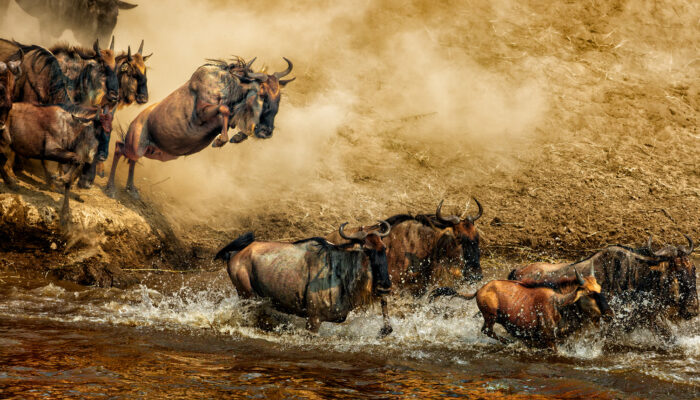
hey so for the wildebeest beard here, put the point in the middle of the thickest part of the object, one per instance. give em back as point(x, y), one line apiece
point(472, 255)
point(380, 270)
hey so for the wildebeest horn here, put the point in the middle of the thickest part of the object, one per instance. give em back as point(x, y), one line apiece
point(649, 245)
point(141, 47)
point(250, 63)
point(286, 81)
point(257, 75)
point(356, 236)
point(128, 53)
point(479, 214)
point(592, 271)
point(96, 47)
point(111, 45)
point(388, 228)
point(452, 219)
point(691, 246)
point(286, 71)
point(579, 279)
point(123, 5)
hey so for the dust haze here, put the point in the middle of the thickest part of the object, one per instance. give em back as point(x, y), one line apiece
point(398, 104)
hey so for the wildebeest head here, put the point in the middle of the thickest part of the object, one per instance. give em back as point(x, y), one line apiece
point(270, 94)
point(103, 15)
point(467, 237)
point(107, 62)
point(131, 71)
point(8, 73)
point(680, 274)
point(592, 301)
point(372, 245)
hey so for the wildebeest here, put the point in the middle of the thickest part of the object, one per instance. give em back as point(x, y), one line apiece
point(8, 75)
point(57, 133)
point(536, 315)
point(645, 286)
point(41, 80)
point(88, 19)
point(312, 278)
point(423, 248)
point(219, 95)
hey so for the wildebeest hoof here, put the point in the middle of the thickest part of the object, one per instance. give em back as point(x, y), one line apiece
point(239, 137)
point(385, 331)
point(111, 191)
point(84, 184)
point(218, 142)
point(134, 193)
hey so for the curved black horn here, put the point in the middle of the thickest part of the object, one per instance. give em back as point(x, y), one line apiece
point(256, 75)
point(579, 279)
point(141, 48)
point(286, 71)
point(452, 219)
point(479, 214)
point(357, 236)
point(111, 45)
point(691, 246)
point(387, 230)
point(250, 63)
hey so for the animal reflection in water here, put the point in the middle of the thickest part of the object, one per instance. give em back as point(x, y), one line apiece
point(219, 95)
point(313, 278)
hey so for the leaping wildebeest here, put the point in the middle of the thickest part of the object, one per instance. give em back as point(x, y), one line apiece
point(312, 278)
point(423, 249)
point(219, 95)
point(88, 19)
point(645, 287)
point(536, 315)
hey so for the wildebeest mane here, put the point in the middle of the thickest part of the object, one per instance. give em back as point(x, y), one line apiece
point(72, 51)
point(428, 220)
point(234, 63)
point(238, 244)
point(641, 251)
point(325, 244)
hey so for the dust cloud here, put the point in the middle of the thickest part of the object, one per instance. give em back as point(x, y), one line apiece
point(378, 87)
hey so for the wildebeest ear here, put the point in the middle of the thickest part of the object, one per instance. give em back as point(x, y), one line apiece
point(146, 57)
point(284, 82)
point(123, 5)
point(3, 67)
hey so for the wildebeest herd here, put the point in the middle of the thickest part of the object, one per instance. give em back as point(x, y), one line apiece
point(57, 104)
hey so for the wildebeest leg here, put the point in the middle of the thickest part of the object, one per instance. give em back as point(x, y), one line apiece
point(386, 329)
point(487, 329)
point(10, 181)
point(130, 180)
point(87, 177)
point(207, 111)
point(118, 151)
point(49, 177)
point(64, 217)
point(313, 323)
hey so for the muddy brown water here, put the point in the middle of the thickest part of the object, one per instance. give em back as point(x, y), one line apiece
point(190, 336)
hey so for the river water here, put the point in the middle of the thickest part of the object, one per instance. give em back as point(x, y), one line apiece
point(188, 335)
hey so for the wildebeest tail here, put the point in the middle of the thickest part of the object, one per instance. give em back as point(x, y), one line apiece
point(448, 291)
point(237, 245)
point(511, 276)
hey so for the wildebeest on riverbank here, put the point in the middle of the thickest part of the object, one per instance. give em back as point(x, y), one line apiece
point(645, 286)
point(423, 248)
point(218, 96)
point(312, 278)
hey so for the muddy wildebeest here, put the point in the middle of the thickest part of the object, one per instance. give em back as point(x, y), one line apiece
point(219, 95)
point(8, 76)
point(422, 248)
point(65, 134)
point(644, 286)
point(535, 315)
point(88, 19)
point(312, 278)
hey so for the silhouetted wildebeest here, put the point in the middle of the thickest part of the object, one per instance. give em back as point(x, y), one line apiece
point(312, 278)
point(645, 286)
point(8, 75)
point(536, 315)
point(67, 135)
point(88, 19)
point(219, 95)
point(422, 249)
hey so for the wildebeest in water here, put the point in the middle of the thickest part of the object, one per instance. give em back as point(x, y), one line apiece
point(425, 249)
point(645, 287)
point(536, 315)
point(88, 19)
point(312, 278)
point(218, 96)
